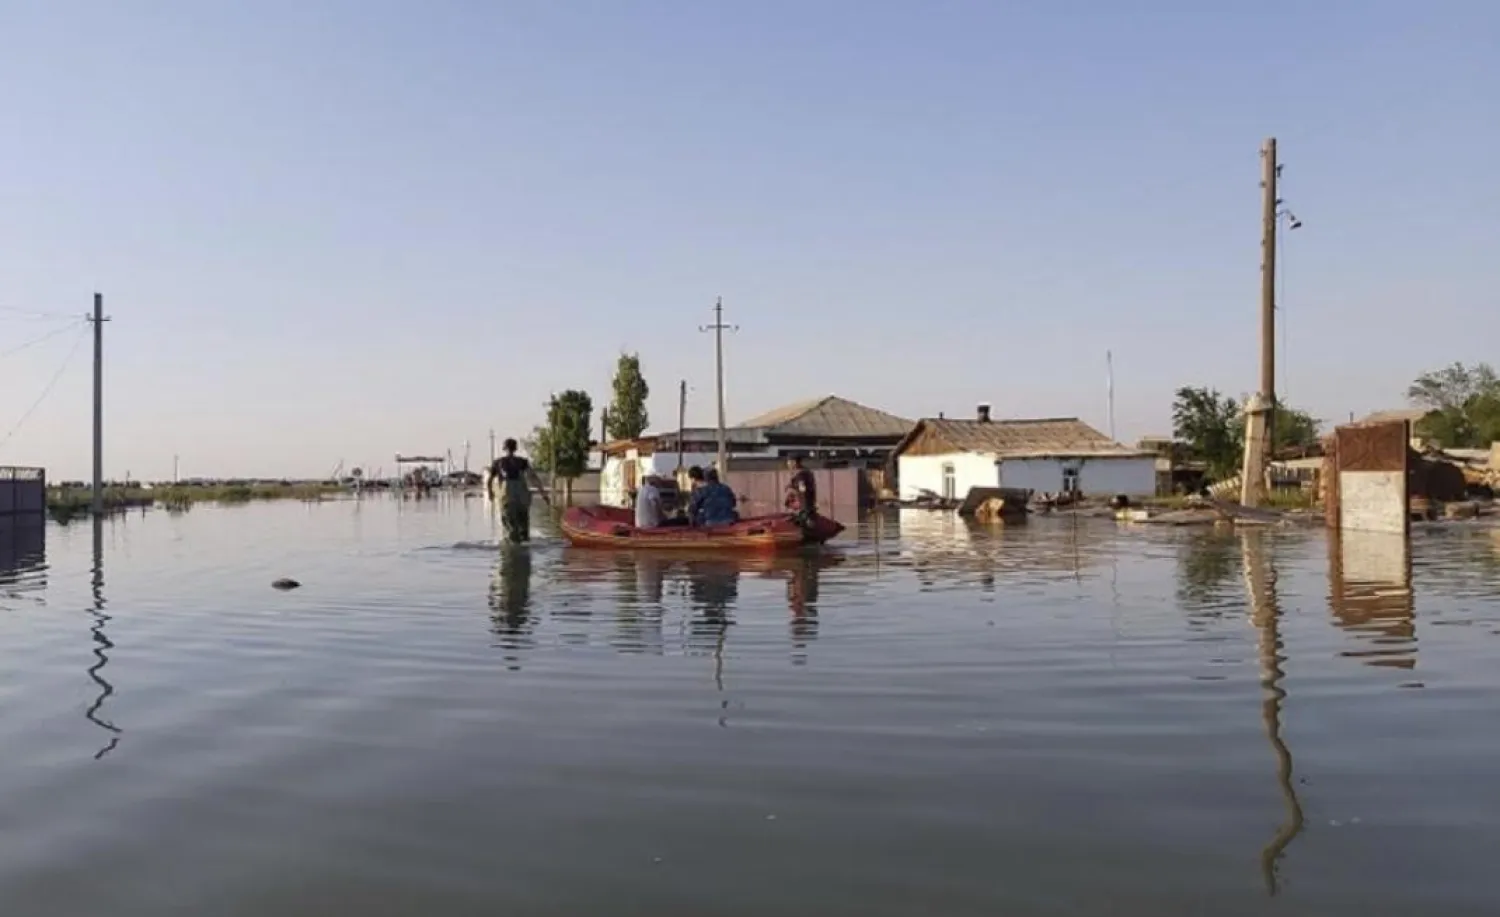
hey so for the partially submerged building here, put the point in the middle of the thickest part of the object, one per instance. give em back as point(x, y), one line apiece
point(948, 457)
point(834, 434)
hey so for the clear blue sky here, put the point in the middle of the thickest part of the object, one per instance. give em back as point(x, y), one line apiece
point(341, 229)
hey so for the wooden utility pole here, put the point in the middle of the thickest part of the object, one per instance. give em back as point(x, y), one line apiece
point(97, 504)
point(1260, 412)
point(718, 328)
point(681, 420)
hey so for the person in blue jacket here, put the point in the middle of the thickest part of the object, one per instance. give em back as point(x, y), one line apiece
point(712, 502)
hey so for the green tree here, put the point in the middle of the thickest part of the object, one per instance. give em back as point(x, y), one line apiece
point(1213, 428)
point(1463, 405)
point(1209, 424)
point(1293, 428)
point(627, 417)
point(564, 438)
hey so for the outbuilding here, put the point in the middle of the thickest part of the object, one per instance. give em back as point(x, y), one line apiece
point(1046, 455)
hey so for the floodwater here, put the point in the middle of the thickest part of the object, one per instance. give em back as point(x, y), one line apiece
point(1065, 717)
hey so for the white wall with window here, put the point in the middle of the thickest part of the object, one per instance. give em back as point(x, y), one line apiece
point(955, 473)
point(1092, 475)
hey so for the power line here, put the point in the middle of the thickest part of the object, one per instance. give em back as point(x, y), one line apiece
point(51, 383)
point(33, 313)
point(48, 336)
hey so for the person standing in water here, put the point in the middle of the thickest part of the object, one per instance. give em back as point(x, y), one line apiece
point(801, 492)
point(513, 479)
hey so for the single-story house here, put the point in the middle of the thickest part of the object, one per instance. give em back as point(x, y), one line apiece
point(1046, 455)
point(828, 431)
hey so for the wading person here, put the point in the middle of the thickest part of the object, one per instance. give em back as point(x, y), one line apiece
point(512, 479)
point(801, 492)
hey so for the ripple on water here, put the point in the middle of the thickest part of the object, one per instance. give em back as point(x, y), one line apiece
point(932, 717)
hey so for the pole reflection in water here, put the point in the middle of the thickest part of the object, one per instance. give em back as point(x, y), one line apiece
point(1370, 595)
point(102, 645)
point(510, 600)
point(1265, 614)
point(713, 589)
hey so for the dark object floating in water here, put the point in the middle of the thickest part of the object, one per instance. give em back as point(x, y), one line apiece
point(285, 583)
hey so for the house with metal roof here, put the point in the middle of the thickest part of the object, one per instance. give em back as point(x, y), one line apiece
point(829, 430)
point(948, 457)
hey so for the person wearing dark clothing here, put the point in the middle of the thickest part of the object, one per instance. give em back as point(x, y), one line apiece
point(713, 503)
point(511, 478)
point(801, 491)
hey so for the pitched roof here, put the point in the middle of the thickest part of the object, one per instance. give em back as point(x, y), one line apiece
point(1017, 438)
point(1411, 415)
point(829, 416)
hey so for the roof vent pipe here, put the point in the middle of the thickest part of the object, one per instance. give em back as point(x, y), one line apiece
point(984, 413)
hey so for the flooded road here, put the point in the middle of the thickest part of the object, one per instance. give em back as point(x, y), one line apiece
point(1065, 717)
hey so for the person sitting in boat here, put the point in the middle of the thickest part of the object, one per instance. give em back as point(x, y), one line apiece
point(513, 479)
point(801, 491)
point(713, 503)
point(648, 514)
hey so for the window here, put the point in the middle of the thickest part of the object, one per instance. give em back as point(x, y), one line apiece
point(1070, 480)
point(950, 486)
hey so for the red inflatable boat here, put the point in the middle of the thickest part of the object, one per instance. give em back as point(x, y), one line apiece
point(613, 527)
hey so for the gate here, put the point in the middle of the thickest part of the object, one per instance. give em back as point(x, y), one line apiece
point(23, 491)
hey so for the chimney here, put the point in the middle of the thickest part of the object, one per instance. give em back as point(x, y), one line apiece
point(984, 413)
point(941, 416)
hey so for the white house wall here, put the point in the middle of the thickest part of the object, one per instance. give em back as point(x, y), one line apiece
point(1134, 476)
point(916, 473)
point(612, 490)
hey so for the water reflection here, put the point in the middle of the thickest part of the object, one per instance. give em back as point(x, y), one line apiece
point(949, 552)
point(510, 602)
point(1206, 565)
point(23, 555)
point(1265, 614)
point(102, 645)
point(1370, 595)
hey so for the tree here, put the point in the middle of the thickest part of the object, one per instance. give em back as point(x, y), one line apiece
point(1293, 428)
point(1213, 427)
point(627, 417)
point(1463, 405)
point(1209, 423)
point(561, 446)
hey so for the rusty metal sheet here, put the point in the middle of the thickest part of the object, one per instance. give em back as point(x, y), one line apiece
point(1373, 447)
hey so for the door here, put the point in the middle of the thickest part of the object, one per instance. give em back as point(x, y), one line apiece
point(950, 485)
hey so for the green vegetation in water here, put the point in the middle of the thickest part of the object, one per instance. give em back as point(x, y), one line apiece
point(65, 502)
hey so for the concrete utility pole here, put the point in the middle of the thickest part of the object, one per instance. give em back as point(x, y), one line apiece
point(552, 446)
point(718, 328)
point(681, 420)
point(1109, 372)
point(98, 318)
point(492, 445)
point(1260, 411)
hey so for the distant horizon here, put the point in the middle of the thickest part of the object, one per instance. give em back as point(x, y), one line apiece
point(363, 228)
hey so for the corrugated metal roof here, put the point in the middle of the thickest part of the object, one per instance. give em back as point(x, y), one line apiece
point(829, 416)
point(1019, 438)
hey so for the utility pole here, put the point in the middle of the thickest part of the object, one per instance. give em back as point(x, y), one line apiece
point(97, 504)
point(492, 445)
point(681, 421)
point(552, 446)
point(1260, 412)
point(718, 328)
point(1109, 370)
point(466, 458)
point(174, 468)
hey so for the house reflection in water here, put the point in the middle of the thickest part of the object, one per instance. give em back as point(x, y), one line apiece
point(1370, 595)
